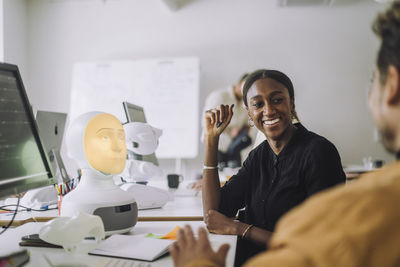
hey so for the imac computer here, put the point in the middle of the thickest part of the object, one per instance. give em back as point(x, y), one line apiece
point(51, 130)
point(136, 114)
point(24, 163)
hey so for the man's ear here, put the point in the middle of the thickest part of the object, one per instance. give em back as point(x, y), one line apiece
point(392, 86)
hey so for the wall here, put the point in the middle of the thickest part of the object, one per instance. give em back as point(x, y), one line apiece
point(1, 31)
point(15, 37)
point(328, 52)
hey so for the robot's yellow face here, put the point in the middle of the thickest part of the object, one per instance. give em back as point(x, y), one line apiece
point(104, 143)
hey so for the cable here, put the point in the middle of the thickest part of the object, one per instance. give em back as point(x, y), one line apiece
point(12, 219)
point(44, 208)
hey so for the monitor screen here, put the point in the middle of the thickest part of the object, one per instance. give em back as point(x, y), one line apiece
point(136, 113)
point(51, 130)
point(23, 161)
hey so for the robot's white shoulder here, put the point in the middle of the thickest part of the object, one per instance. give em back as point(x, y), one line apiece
point(147, 197)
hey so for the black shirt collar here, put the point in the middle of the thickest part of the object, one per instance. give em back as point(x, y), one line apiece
point(296, 135)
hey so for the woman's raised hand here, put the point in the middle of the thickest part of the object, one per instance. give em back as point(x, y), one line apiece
point(217, 119)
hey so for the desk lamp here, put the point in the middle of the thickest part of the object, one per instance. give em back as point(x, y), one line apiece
point(96, 141)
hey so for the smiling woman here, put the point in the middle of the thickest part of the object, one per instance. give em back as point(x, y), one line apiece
point(270, 108)
point(288, 167)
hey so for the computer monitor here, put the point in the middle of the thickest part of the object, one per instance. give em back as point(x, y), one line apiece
point(23, 161)
point(136, 113)
point(51, 130)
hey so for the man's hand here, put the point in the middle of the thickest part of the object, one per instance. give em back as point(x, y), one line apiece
point(220, 224)
point(187, 248)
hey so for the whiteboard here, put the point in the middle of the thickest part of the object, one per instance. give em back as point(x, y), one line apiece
point(167, 89)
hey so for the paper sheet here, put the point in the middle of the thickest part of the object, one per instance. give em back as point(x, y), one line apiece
point(137, 247)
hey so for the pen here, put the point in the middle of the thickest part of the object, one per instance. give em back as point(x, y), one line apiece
point(79, 174)
point(67, 187)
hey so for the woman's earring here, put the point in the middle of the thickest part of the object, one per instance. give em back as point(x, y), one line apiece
point(251, 122)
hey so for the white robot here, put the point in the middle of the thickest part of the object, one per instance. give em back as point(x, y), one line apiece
point(142, 139)
point(96, 141)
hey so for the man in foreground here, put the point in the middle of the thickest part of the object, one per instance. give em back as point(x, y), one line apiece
point(353, 225)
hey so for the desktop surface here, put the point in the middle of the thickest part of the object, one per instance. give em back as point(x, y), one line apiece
point(57, 257)
point(190, 207)
point(180, 206)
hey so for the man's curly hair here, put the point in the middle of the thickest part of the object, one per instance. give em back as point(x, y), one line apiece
point(387, 28)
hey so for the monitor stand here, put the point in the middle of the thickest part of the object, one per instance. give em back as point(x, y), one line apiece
point(58, 166)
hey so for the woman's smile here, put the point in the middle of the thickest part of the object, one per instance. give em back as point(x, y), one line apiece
point(271, 122)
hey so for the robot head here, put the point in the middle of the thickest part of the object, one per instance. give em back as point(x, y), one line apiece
point(97, 140)
point(141, 137)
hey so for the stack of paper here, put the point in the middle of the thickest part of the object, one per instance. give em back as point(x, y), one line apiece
point(137, 247)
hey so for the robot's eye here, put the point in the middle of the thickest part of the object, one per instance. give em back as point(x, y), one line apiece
point(135, 145)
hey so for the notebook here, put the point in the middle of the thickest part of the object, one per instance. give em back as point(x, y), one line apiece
point(138, 247)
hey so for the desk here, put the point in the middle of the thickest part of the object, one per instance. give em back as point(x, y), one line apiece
point(9, 241)
point(180, 206)
point(189, 207)
point(354, 171)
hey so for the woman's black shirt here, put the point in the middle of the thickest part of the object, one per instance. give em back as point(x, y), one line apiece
point(268, 186)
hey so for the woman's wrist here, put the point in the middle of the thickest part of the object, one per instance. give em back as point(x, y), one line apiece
point(239, 228)
point(211, 158)
point(243, 229)
point(211, 139)
point(233, 228)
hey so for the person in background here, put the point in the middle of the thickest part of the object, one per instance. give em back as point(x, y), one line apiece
point(289, 166)
point(352, 225)
point(237, 136)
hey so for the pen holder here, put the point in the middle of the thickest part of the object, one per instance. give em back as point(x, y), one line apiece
point(63, 189)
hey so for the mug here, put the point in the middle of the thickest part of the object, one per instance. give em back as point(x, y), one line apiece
point(378, 163)
point(174, 180)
